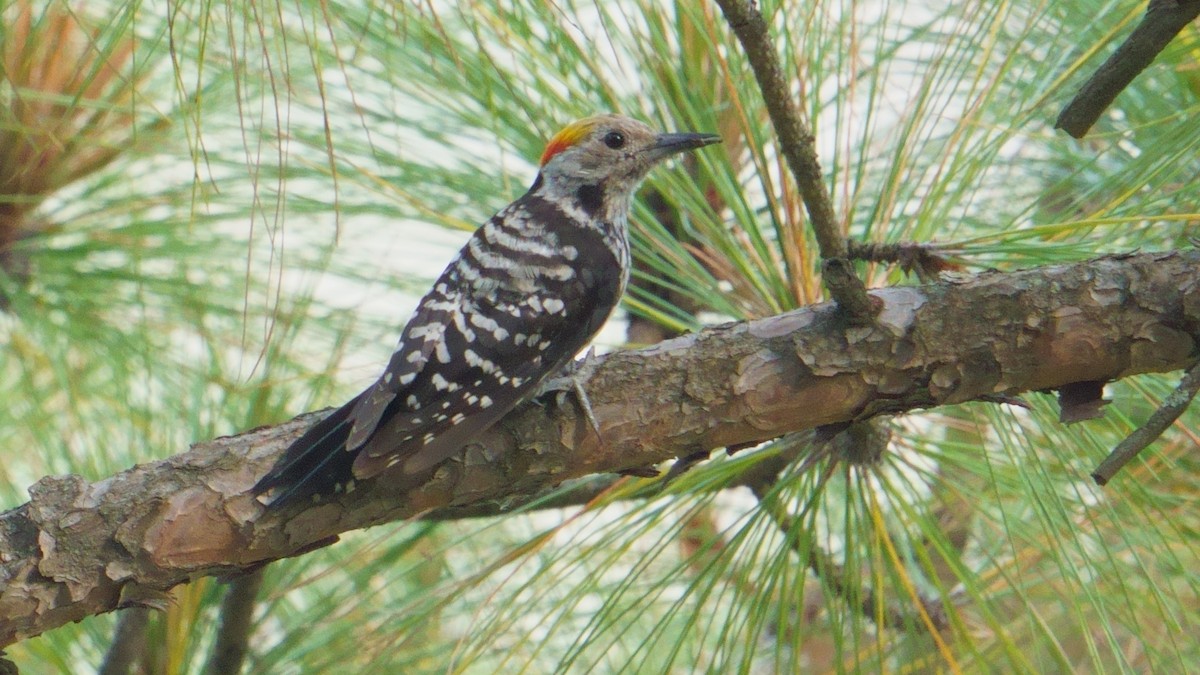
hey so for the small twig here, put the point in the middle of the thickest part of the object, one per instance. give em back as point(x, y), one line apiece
point(861, 443)
point(1165, 416)
point(1164, 20)
point(799, 149)
point(129, 642)
point(1081, 401)
point(233, 634)
point(913, 258)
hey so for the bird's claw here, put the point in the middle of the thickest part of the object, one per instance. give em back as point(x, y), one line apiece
point(571, 379)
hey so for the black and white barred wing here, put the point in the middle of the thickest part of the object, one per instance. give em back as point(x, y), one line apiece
point(501, 364)
point(422, 336)
point(321, 460)
point(495, 345)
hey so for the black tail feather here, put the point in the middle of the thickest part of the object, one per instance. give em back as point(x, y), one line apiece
point(315, 464)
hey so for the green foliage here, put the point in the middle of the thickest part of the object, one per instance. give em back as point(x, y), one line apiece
point(296, 171)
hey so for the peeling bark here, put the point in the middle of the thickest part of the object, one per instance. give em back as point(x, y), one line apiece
point(80, 548)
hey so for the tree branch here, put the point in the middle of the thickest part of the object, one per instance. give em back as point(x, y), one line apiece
point(80, 548)
point(128, 644)
point(1165, 416)
point(1164, 20)
point(800, 151)
point(233, 633)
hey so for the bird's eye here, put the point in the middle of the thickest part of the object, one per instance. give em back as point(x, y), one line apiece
point(614, 139)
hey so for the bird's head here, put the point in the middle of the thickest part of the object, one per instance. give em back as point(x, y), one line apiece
point(607, 156)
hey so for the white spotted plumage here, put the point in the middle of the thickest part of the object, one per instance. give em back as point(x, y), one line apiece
point(526, 293)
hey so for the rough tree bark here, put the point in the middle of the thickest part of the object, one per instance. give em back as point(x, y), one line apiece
point(80, 548)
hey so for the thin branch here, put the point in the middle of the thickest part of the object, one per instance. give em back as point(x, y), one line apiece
point(80, 548)
point(1143, 436)
point(913, 258)
point(233, 634)
point(799, 149)
point(129, 642)
point(1164, 20)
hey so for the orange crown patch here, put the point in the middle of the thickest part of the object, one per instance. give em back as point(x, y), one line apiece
point(569, 136)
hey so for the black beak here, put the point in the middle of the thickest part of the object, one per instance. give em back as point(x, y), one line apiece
point(670, 144)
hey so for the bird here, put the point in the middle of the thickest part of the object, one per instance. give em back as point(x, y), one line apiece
point(527, 292)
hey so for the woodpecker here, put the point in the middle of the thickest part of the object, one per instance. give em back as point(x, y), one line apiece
point(529, 290)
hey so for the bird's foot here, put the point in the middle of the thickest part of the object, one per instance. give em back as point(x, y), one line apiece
point(571, 379)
